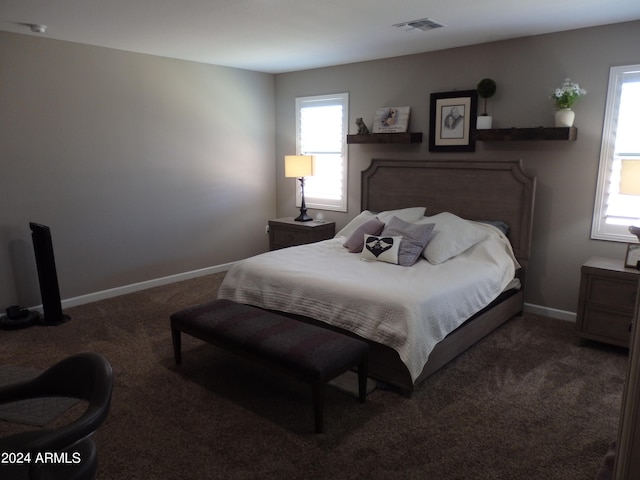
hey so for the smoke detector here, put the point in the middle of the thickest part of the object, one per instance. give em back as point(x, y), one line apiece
point(424, 25)
point(37, 28)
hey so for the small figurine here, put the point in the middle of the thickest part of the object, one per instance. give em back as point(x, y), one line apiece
point(362, 128)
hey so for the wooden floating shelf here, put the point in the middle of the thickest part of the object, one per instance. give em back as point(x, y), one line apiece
point(409, 137)
point(538, 133)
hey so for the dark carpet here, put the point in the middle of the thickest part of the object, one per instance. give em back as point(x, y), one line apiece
point(527, 402)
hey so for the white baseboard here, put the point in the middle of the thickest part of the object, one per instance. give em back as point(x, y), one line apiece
point(135, 287)
point(550, 312)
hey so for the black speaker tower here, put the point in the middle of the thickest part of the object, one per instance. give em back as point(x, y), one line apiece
point(47, 275)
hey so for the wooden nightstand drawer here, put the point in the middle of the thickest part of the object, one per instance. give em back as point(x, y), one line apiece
point(605, 324)
point(611, 292)
point(286, 232)
point(288, 237)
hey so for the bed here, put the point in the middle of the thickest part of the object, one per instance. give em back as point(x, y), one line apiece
point(410, 335)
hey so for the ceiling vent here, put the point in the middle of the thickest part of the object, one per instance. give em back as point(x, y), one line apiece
point(424, 24)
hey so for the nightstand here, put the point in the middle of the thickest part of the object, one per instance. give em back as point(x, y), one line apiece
point(607, 301)
point(286, 232)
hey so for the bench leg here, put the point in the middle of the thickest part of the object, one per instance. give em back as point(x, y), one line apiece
point(318, 404)
point(177, 349)
point(362, 380)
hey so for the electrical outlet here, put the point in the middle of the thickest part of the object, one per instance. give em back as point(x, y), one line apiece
point(266, 229)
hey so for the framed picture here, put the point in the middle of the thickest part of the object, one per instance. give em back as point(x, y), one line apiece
point(633, 255)
point(453, 118)
point(391, 120)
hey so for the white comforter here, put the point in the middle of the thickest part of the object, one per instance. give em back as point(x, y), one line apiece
point(409, 309)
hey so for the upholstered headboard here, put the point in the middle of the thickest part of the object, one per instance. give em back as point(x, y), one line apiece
point(472, 189)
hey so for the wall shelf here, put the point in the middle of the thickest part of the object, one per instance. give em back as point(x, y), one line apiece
point(409, 137)
point(538, 133)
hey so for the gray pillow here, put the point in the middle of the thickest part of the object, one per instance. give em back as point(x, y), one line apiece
point(414, 238)
point(355, 242)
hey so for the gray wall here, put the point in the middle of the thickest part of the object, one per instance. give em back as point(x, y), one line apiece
point(143, 167)
point(526, 71)
point(146, 167)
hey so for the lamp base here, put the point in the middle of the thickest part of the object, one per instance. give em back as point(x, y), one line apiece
point(303, 217)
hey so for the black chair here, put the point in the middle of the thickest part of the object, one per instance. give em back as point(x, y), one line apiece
point(86, 376)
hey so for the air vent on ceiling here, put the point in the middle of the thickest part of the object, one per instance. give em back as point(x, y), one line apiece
point(424, 24)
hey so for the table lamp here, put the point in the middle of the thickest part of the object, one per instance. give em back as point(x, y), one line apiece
point(299, 166)
point(630, 184)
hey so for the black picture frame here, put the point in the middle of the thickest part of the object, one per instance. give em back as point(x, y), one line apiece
point(453, 121)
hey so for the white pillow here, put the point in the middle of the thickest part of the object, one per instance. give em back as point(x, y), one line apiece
point(410, 214)
point(381, 249)
point(354, 224)
point(451, 236)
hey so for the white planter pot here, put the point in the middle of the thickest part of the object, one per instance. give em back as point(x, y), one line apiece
point(484, 122)
point(564, 117)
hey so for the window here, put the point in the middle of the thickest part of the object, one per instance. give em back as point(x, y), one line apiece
point(321, 131)
point(618, 192)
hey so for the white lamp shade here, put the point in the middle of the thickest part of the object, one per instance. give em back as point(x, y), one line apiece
point(298, 166)
point(630, 177)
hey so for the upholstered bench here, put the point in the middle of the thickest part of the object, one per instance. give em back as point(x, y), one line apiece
point(310, 353)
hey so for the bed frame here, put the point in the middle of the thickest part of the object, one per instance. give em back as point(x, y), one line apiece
point(471, 189)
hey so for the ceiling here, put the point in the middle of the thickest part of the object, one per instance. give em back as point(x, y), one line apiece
point(278, 36)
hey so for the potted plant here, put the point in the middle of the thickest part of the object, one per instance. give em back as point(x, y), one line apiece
point(486, 89)
point(563, 99)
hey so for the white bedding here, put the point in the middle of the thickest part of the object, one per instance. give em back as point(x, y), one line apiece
point(407, 308)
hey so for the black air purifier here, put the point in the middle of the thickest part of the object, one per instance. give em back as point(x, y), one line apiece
point(47, 276)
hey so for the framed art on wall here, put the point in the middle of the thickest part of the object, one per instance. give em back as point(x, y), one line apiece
point(632, 259)
point(452, 121)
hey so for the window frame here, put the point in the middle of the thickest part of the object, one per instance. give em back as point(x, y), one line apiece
point(600, 230)
point(319, 203)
